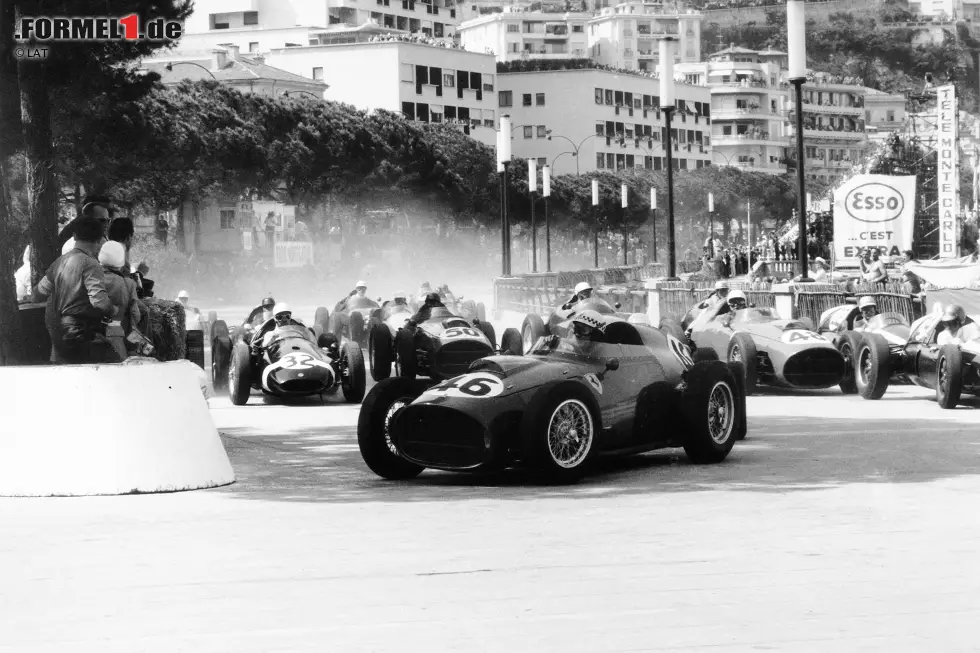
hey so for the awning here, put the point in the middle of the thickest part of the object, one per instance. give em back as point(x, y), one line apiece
point(750, 73)
point(951, 273)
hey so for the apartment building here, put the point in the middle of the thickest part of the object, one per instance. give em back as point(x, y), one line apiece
point(423, 81)
point(884, 113)
point(585, 119)
point(834, 134)
point(749, 127)
point(262, 25)
point(626, 35)
point(517, 34)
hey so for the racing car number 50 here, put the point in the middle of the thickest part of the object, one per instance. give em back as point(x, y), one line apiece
point(680, 351)
point(476, 385)
point(459, 332)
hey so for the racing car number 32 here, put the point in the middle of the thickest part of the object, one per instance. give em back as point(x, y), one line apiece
point(476, 385)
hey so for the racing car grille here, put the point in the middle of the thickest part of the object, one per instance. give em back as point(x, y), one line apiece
point(441, 437)
point(454, 358)
point(814, 368)
point(302, 386)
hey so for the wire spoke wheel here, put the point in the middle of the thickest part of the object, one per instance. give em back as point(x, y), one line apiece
point(736, 354)
point(526, 338)
point(394, 408)
point(864, 365)
point(943, 373)
point(570, 434)
point(721, 412)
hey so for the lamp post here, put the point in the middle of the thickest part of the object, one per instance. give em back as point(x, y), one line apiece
point(624, 191)
point(532, 187)
point(546, 192)
point(711, 224)
point(653, 211)
point(577, 147)
point(595, 220)
point(796, 40)
point(170, 67)
point(312, 95)
point(667, 101)
point(503, 160)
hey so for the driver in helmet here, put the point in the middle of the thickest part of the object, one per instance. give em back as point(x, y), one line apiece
point(957, 327)
point(282, 316)
point(268, 303)
point(737, 301)
point(360, 290)
point(868, 308)
point(400, 299)
point(583, 291)
point(710, 307)
point(425, 312)
point(587, 327)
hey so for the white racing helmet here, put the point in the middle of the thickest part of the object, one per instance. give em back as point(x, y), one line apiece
point(361, 284)
point(639, 318)
point(280, 309)
point(589, 319)
point(582, 286)
point(867, 301)
point(400, 295)
point(736, 295)
point(183, 295)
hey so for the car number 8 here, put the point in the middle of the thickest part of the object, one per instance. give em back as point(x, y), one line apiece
point(470, 386)
point(459, 332)
point(680, 351)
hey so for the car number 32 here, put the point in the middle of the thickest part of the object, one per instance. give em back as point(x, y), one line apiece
point(476, 385)
point(460, 332)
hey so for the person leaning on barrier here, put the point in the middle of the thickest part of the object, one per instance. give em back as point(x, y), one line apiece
point(78, 304)
point(958, 327)
point(583, 291)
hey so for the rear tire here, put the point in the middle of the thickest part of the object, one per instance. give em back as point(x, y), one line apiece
point(240, 376)
point(373, 439)
point(949, 376)
point(355, 327)
point(511, 343)
point(354, 382)
point(408, 362)
point(741, 349)
point(488, 331)
point(380, 352)
point(221, 349)
point(481, 312)
point(704, 354)
point(322, 317)
point(531, 329)
point(872, 366)
point(848, 345)
point(711, 409)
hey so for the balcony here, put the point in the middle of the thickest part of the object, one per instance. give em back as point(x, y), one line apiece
point(832, 135)
point(748, 166)
point(747, 86)
point(757, 113)
point(761, 138)
point(827, 109)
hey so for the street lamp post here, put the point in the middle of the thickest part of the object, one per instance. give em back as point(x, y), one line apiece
point(170, 67)
point(796, 40)
point(546, 192)
point(711, 224)
point(653, 211)
point(595, 221)
point(532, 187)
point(577, 147)
point(667, 101)
point(503, 160)
point(626, 241)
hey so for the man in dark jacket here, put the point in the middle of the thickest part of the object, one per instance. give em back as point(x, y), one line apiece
point(425, 312)
point(78, 304)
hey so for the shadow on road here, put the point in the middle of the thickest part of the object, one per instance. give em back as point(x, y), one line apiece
point(782, 454)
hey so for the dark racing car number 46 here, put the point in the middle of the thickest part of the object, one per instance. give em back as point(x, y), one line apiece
point(476, 385)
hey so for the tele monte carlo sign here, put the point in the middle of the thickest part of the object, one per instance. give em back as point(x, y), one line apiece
point(873, 212)
point(948, 169)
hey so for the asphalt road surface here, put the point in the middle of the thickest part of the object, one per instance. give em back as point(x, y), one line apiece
point(838, 525)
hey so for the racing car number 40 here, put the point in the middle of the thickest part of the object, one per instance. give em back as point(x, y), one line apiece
point(476, 385)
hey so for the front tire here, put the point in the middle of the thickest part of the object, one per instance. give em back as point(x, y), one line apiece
point(741, 349)
point(240, 374)
point(848, 345)
point(949, 376)
point(532, 329)
point(221, 349)
point(373, 433)
point(353, 381)
point(408, 362)
point(355, 327)
point(872, 367)
point(511, 343)
point(379, 352)
point(710, 407)
point(560, 432)
point(481, 312)
point(487, 329)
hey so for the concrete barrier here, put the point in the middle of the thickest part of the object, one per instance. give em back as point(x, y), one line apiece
point(83, 430)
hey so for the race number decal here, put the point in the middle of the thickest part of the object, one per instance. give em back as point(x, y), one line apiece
point(460, 332)
point(680, 351)
point(476, 385)
point(594, 381)
point(801, 337)
point(297, 362)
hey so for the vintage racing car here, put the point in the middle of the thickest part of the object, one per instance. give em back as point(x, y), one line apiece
point(557, 408)
point(774, 351)
point(440, 348)
point(950, 370)
point(293, 364)
point(533, 328)
point(351, 321)
point(223, 341)
point(855, 338)
point(468, 309)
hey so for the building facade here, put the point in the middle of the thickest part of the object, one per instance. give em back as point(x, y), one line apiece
point(749, 126)
point(834, 132)
point(626, 35)
point(424, 82)
point(884, 113)
point(581, 120)
point(514, 34)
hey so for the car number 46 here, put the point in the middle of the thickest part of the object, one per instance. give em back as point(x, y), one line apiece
point(799, 337)
point(476, 385)
point(459, 332)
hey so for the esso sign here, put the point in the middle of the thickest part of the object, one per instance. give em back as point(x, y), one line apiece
point(874, 202)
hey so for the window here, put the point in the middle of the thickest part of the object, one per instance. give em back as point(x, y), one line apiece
point(528, 131)
point(422, 111)
point(598, 96)
point(408, 72)
point(542, 131)
point(539, 99)
point(630, 161)
point(408, 110)
point(253, 47)
point(891, 116)
point(527, 100)
point(609, 97)
point(600, 160)
point(513, 28)
point(448, 80)
point(611, 161)
point(227, 217)
point(251, 18)
point(512, 47)
point(505, 98)
point(600, 129)
point(576, 28)
point(318, 74)
point(741, 104)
